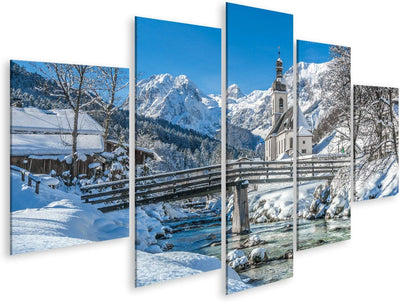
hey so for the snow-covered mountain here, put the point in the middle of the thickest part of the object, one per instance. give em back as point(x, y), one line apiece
point(313, 91)
point(253, 111)
point(179, 101)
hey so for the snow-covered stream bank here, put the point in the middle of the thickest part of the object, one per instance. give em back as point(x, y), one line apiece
point(173, 241)
point(55, 218)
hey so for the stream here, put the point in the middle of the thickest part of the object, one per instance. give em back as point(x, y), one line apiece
point(200, 235)
point(313, 233)
point(279, 239)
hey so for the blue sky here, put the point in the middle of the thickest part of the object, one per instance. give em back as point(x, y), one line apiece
point(36, 67)
point(177, 48)
point(253, 38)
point(312, 52)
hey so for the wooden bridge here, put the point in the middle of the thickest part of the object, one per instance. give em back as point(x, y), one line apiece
point(191, 183)
point(203, 181)
point(115, 194)
point(182, 185)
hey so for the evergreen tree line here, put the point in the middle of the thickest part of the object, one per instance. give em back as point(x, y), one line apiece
point(178, 148)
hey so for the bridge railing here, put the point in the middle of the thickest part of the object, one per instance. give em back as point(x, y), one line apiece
point(108, 193)
point(203, 181)
point(207, 180)
point(185, 183)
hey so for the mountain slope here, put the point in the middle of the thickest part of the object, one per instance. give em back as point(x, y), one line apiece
point(179, 101)
point(253, 111)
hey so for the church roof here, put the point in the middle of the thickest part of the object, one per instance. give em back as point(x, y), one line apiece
point(285, 122)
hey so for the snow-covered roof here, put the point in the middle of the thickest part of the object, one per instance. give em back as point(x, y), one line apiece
point(31, 119)
point(25, 144)
point(303, 132)
point(283, 156)
point(285, 122)
point(301, 120)
point(148, 151)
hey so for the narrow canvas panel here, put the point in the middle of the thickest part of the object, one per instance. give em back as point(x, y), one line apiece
point(376, 142)
point(260, 192)
point(323, 144)
point(69, 155)
point(178, 150)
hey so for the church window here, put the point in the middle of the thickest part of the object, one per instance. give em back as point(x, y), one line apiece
point(304, 142)
point(280, 105)
point(304, 151)
point(291, 142)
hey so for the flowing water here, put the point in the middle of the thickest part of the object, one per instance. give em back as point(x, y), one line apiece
point(200, 235)
point(313, 233)
point(279, 240)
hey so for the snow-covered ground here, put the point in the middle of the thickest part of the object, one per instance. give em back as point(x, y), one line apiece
point(234, 282)
point(377, 179)
point(55, 218)
point(269, 202)
point(153, 268)
point(333, 144)
point(274, 202)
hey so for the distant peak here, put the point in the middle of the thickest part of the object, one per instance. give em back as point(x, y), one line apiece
point(234, 92)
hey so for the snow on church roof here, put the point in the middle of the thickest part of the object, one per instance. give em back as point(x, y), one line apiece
point(303, 132)
point(31, 119)
point(285, 122)
point(301, 120)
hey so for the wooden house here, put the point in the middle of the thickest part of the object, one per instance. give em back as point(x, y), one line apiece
point(41, 140)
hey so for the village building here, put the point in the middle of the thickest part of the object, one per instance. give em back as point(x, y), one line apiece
point(279, 141)
point(41, 140)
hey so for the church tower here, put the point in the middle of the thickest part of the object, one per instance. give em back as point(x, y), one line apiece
point(279, 93)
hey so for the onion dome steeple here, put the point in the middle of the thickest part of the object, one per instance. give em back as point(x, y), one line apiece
point(278, 85)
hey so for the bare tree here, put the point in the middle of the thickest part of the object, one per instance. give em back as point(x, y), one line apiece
point(73, 84)
point(337, 93)
point(107, 94)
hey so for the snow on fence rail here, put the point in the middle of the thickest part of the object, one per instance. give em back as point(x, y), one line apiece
point(184, 184)
point(107, 192)
point(29, 175)
point(197, 182)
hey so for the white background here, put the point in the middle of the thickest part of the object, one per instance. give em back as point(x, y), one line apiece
point(366, 268)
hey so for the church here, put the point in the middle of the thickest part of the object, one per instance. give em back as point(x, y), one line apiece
point(279, 141)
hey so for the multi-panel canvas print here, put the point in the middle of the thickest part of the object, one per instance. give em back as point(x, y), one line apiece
point(260, 192)
point(323, 144)
point(376, 142)
point(178, 150)
point(69, 155)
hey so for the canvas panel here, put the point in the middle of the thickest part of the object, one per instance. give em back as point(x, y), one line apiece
point(178, 150)
point(323, 144)
point(260, 192)
point(376, 141)
point(69, 155)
